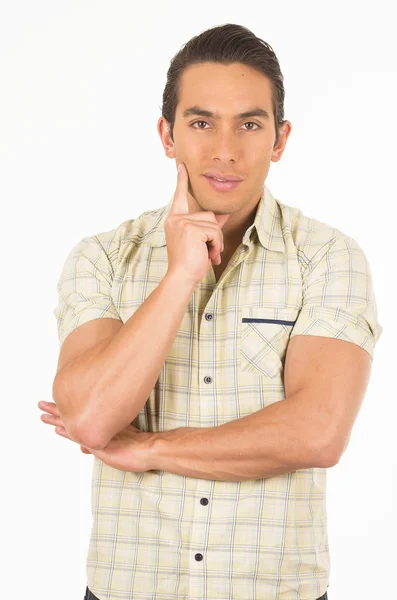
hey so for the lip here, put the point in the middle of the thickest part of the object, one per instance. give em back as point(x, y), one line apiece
point(222, 176)
point(222, 186)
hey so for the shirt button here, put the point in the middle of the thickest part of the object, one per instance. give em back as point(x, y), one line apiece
point(207, 379)
point(204, 501)
point(198, 556)
point(208, 316)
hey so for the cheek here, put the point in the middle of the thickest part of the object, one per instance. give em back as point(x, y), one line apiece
point(261, 158)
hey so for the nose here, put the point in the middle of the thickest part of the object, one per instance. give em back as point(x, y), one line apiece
point(225, 146)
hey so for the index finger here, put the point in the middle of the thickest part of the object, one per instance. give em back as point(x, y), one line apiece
point(180, 204)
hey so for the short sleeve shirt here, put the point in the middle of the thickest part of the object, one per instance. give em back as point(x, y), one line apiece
point(164, 535)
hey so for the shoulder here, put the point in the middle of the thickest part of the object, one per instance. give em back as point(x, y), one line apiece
point(140, 230)
point(114, 244)
point(311, 237)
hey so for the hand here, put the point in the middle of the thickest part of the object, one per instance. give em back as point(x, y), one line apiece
point(128, 450)
point(187, 235)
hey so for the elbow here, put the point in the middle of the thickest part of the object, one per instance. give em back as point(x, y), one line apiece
point(88, 432)
point(328, 456)
point(323, 454)
point(334, 450)
point(329, 460)
point(75, 423)
point(87, 439)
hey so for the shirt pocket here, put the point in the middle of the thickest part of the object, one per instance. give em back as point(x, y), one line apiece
point(265, 335)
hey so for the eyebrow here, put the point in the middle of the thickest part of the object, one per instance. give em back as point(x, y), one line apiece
point(254, 112)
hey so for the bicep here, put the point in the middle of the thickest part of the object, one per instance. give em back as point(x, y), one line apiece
point(331, 375)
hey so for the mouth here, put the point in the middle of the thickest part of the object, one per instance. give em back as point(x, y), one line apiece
point(222, 176)
point(222, 186)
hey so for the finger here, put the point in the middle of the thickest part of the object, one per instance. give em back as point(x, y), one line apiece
point(61, 431)
point(49, 407)
point(221, 219)
point(208, 231)
point(52, 420)
point(211, 234)
point(215, 245)
point(180, 204)
point(214, 240)
point(217, 250)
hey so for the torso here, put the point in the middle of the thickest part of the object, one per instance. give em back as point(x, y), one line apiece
point(225, 257)
point(218, 270)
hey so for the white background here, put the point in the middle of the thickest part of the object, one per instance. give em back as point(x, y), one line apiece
point(81, 89)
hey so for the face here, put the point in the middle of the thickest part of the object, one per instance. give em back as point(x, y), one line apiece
point(224, 142)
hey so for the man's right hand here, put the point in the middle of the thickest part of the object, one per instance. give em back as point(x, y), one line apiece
point(187, 235)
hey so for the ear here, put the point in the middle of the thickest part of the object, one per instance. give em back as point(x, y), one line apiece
point(284, 132)
point(163, 127)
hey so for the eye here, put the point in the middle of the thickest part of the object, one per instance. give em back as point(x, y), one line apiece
point(197, 122)
point(251, 123)
point(248, 122)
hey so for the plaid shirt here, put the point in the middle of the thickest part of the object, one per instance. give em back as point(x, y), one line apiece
point(166, 536)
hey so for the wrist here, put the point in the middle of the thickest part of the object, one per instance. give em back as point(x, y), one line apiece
point(175, 450)
point(153, 451)
point(179, 281)
point(159, 448)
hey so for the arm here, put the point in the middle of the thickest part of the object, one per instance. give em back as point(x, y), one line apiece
point(114, 380)
point(325, 382)
point(327, 368)
point(267, 443)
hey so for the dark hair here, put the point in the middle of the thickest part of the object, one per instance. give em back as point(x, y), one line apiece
point(225, 44)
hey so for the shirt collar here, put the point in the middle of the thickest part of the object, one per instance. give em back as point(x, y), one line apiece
point(267, 224)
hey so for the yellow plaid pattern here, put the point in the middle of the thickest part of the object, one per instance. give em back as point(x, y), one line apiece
point(166, 536)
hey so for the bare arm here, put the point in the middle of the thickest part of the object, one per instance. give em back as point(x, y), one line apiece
point(270, 442)
point(103, 390)
point(325, 380)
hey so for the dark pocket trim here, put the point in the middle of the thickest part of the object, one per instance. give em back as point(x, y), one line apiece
point(255, 320)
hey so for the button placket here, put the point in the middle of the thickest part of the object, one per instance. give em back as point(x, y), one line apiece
point(208, 316)
point(204, 501)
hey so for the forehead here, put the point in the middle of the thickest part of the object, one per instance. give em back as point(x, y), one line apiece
point(234, 85)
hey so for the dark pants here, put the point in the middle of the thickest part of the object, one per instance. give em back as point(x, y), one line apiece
point(90, 596)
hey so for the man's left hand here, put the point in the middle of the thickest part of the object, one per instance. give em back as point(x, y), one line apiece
point(128, 450)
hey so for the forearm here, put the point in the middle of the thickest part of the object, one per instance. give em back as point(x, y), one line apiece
point(280, 438)
point(104, 390)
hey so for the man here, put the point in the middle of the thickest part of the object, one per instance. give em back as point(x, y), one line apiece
point(215, 354)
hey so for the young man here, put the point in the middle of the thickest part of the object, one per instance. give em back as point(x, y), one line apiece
point(215, 354)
